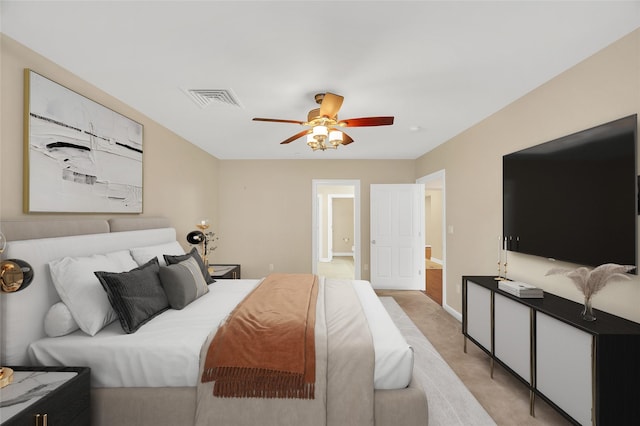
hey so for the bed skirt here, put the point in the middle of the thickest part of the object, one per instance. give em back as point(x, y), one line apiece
point(177, 406)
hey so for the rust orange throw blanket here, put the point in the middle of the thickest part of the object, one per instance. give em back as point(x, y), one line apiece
point(266, 348)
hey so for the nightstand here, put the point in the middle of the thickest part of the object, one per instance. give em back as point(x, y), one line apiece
point(47, 396)
point(225, 271)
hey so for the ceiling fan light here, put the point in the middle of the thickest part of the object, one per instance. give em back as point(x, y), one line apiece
point(335, 137)
point(322, 125)
point(320, 131)
point(312, 142)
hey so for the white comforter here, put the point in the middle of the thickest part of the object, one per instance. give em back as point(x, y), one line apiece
point(165, 351)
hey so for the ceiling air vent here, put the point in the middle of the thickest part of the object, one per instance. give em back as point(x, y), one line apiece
point(206, 97)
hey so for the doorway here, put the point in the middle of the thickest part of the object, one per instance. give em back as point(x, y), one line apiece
point(435, 236)
point(336, 228)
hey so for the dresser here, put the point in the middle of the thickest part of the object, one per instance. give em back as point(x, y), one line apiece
point(588, 371)
point(47, 396)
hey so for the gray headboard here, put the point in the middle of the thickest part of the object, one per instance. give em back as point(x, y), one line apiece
point(16, 230)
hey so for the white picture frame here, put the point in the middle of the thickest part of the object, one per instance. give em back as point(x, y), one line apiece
point(80, 156)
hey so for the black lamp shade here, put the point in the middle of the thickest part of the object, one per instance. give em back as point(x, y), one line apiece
point(195, 237)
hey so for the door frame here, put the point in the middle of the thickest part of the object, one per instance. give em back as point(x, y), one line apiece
point(316, 221)
point(440, 175)
point(330, 198)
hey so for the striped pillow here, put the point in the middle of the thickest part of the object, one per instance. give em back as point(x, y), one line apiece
point(183, 282)
point(170, 260)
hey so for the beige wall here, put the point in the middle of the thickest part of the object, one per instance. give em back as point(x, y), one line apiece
point(262, 209)
point(180, 180)
point(342, 225)
point(265, 210)
point(604, 87)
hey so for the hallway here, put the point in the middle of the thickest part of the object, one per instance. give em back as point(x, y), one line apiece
point(339, 267)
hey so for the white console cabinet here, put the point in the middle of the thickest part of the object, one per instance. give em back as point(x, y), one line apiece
point(588, 371)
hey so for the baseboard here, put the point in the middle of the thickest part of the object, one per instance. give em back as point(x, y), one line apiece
point(346, 254)
point(457, 315)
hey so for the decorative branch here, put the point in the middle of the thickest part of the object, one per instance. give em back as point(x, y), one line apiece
point(591, 281)
point(209, 238)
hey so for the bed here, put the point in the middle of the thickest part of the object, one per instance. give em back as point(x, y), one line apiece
point(150, 376)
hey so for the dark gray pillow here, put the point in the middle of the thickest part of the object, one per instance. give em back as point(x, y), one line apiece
point(183, 282)
point(137, 296)
point(170, 260)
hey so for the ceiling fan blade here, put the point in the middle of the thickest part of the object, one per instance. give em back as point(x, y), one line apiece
point(296, 136)
point(330, 105)
point(366, 121)
point(346, 139)
point(277, 120)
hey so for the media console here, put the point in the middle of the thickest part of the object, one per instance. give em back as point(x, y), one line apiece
point(588, 371)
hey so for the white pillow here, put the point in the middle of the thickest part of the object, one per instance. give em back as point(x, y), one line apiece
point(59, 321)
point(80, 290)
point(144, 254)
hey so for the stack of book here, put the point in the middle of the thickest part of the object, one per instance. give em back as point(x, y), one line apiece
point(520, 289)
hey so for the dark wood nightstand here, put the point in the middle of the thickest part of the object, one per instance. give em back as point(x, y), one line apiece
point(225, 271)
point(47, 396)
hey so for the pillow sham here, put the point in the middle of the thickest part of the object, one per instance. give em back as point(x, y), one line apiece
point(144, 254)
point(137, 296)
point(81, 291)
point(183, 282)
point(59, 321)
point(193, 253)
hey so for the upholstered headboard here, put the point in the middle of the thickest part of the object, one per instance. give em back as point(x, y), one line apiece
point(15, 230)
point(22, 313)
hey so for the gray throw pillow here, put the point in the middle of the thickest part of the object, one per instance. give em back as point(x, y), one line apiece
point(183, 282)
point(137, 296)
point(170, 260)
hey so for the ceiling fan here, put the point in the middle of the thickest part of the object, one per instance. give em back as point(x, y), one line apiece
point(324, 124)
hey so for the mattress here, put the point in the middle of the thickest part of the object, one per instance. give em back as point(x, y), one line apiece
point(165, 351)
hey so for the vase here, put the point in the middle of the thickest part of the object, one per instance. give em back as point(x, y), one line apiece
point(587, 312)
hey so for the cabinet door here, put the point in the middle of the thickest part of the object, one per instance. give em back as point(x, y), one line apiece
point(512, 337)
point(564, 366)
point(479, 314)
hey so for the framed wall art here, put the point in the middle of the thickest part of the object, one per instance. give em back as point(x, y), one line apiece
point(80, 157)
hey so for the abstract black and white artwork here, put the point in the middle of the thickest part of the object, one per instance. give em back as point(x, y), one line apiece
point(81, 156)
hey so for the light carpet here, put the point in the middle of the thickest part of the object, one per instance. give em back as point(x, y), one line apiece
point(450, 402)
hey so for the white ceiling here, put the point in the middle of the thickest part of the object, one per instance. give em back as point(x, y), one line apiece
point(437, 66)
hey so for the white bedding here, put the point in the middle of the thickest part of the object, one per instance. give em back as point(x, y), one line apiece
point(393, 356)
point(165, 351)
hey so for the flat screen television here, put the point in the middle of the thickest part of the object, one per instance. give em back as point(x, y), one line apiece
point(575, 198)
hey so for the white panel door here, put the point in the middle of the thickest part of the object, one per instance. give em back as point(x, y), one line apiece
point(397, 236)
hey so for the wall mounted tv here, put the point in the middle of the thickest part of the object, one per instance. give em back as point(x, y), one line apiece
point(575, 198)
